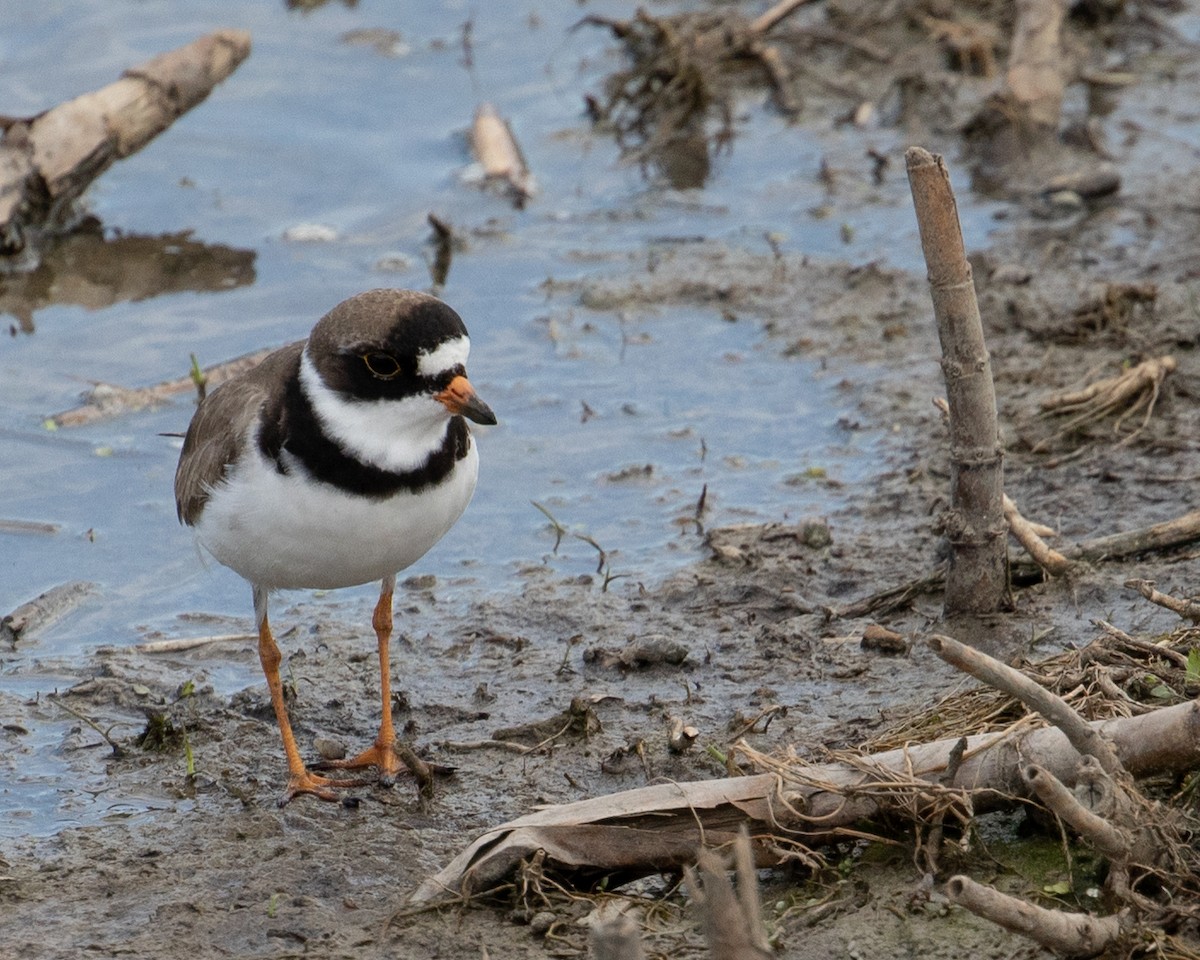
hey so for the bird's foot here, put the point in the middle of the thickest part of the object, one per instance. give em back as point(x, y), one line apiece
point(320, 787)
point(381, 756)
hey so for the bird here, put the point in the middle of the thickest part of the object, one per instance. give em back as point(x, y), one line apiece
point(338, 460)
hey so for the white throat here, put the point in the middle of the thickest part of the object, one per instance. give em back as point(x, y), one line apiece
point(395, 435)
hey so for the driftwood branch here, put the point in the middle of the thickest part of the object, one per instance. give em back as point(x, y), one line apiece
point(1188, 609)
point(1029, 535)
point(1109, 839)
point(977, 577)
point(1067, 934)
point(1167, 535)
point(660, 827)
point(498, 153)
point(1083, 736)
point(44, 610)
point(47, 161)
point(106, 400)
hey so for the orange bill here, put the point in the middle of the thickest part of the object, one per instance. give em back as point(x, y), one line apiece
point(460, 399)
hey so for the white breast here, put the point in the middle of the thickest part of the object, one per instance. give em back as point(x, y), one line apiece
point(287, 531)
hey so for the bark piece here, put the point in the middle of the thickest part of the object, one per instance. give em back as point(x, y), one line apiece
point(977, 577)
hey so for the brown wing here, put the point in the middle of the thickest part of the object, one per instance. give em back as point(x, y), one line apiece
point(220, 424)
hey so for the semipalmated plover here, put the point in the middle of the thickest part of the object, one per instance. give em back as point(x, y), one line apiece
point(338, 460)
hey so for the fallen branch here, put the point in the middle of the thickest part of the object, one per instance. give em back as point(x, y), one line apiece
point(1029, 535)
point(1156, 538)
point(1083, 736)
point(47, 161)
point(105, 400)
point(1067, 934)
point(1110, 840)
point(180, 644)
point(658, 828)
point(1188, 609)
point(43, 610)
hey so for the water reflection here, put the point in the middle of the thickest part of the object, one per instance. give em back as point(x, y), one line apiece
point(90, 269)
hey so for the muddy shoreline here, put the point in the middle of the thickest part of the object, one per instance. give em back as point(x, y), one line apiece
point(206, 865)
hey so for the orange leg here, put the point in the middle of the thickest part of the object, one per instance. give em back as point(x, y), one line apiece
point(381, 754)
point(300, 780)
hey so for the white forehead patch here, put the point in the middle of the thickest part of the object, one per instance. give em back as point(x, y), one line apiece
point(452, 353)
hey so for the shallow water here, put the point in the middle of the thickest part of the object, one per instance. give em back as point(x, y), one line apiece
point(316, 130)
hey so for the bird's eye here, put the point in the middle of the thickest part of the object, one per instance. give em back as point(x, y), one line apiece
point(383, 366)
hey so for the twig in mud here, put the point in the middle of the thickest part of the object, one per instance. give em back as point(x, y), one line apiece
point(106, 400)
point(559, 529)
point(520, 749)
point(1126, 394)
point(117, 750)
point(891, 598)
point(603, 567)
point(1029, 535)
point(179, 644)
point(1188, 609)
point(930, 850)
point(768, 714)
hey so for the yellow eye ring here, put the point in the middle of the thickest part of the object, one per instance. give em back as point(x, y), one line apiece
point(383, 366)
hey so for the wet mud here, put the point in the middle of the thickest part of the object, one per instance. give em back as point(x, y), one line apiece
point(746, 643)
